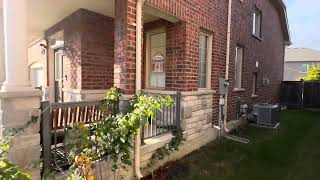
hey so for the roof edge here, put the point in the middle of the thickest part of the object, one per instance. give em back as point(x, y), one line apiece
point(285, 22)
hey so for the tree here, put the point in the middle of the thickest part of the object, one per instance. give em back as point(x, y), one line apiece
point(313, 73)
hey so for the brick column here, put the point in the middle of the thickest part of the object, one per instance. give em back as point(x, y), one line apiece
point(124, 46)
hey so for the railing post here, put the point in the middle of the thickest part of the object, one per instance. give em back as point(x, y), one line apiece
point(46, 125)
point(302, 93)
point(178, 109)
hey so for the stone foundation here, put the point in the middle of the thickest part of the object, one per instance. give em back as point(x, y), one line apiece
point(196, 122)
point(16, 109)
point(196, 112)
point(188, 146)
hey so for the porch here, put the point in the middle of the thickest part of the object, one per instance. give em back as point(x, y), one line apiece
point(78, 49)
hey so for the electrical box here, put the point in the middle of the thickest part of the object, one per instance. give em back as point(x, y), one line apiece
point(223, 86)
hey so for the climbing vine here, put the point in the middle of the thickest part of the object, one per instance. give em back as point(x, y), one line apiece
point(111, 137)
point(167, 149)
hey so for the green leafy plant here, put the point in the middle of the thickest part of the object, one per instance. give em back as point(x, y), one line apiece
point(313, 73)
point(167, 149)
point(111, 137)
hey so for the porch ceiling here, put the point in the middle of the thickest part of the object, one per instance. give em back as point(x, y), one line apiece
point(43, 14)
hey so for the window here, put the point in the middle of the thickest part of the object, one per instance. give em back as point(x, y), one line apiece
point(156, 58)
point(305, 68)
point(205, 52)
point(257, 22)
point(58, 70)
point(36, 75)
point(254, 86)
point(238, 66)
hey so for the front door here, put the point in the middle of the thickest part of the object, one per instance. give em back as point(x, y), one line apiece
point(156, 57)
point(58, 75)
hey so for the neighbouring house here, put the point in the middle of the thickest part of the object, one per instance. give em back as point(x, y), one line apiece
point(78, 49)
point(297, 62)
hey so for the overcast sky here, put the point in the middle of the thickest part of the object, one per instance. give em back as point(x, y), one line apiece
point(304, 22)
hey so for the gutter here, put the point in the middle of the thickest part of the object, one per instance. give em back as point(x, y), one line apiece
point(284, 8)
point(227, 61)
point(137, 142)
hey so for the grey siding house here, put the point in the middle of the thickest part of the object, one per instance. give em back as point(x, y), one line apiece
point(297, 62)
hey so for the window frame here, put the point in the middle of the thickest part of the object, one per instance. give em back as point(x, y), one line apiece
point(240, 70)
point(150, 33)
point(255, 84)
point(305, 68)
point(208, 60)
point(254, 31)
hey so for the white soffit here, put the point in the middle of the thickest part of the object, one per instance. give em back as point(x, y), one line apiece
point(43, 14)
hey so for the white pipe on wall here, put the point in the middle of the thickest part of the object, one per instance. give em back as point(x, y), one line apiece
point(138, 45)
point(228, 59)
point(138, 83)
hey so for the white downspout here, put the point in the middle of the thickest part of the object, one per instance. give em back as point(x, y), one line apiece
point(228, 60)
point(137, 141)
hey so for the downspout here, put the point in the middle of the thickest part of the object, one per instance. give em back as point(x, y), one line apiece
point(137, 141)
point(227, 61)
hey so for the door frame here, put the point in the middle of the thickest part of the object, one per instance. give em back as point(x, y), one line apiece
point(148, 55)
point(58, 50)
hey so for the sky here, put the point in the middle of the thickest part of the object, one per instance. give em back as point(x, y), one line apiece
point(304, 23)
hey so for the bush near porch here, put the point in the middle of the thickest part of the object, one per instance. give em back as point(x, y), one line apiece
point(290, 153)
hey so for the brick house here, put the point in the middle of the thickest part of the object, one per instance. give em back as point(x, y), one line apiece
point(183, 46)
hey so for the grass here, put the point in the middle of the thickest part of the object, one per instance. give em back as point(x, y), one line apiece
point(290, 153)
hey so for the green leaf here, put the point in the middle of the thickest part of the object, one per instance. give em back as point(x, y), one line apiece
point(3, 164)
point(5, 147)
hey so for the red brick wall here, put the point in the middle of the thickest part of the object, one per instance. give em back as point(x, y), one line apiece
point(89, 41)
point(97, 51)
point(125, 45)
point(269, 52)
point(183, 42)
point(211, 15)
point(72, 32)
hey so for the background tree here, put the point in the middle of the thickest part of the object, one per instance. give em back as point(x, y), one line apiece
point(313, 74)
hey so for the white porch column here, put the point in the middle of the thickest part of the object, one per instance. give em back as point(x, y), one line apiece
point(16, 46)
point(18, 100)
point(2, 68)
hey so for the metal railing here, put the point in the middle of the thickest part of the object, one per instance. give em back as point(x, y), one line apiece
point(166, 120)
point(56, 118)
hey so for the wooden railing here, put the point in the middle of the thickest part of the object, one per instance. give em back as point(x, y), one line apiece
point(67, 114)
point(56, 118)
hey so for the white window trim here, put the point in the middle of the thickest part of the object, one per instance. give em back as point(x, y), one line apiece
point(240, 75)
point(209, 61)
point(303, 68)
point(254, 85)
point(148, 55)
point(254, 24)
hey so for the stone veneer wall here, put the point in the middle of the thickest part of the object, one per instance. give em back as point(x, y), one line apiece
point(196, 123)
point(196, 112)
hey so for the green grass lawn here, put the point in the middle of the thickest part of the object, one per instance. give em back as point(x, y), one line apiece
point(289, 153)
